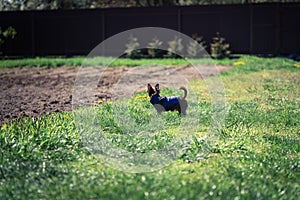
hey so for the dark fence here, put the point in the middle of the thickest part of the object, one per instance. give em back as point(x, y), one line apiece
point(249, 28)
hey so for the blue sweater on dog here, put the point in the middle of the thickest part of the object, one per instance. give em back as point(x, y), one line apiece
point(166, 102)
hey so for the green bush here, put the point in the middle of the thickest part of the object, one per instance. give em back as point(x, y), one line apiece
point(219, 49)
point(154, 48)
point(5, 34)
point(175, 48)
point(132, 50)
point(196, 47)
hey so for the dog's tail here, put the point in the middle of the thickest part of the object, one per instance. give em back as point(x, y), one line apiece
point(185, 92)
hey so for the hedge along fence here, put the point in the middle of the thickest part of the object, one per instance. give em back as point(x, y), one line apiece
point(248, 28)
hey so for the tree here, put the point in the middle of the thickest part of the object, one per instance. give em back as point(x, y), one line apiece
point(81, 4)
point(43, 4)
point(111, 3)
point(148, 3)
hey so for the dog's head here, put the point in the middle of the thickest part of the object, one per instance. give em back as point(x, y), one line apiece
point(152, 91)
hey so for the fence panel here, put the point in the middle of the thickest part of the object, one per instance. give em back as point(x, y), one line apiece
point(249, 28)
point(290, 29)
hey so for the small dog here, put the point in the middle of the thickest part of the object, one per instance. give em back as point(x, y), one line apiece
point(167, 103)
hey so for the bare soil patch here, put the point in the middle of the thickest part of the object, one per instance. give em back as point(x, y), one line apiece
point(32, 91)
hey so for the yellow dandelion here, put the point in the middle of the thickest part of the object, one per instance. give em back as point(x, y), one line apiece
point(141, 97)
point(297, 65)
point(100, 101)
point(238, 63)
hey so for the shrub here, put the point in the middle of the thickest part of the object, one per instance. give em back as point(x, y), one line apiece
point(196, 47)
point(8, 33)
point(175, 47)
point(132, 46)
point(219, 48)
point(154, 48)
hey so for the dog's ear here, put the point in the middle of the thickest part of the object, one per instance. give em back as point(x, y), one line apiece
point(149, 87)
point(150, 90)
point(157, 87)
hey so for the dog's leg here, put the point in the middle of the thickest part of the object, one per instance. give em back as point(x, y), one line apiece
point(159, 108)
point(183, 106)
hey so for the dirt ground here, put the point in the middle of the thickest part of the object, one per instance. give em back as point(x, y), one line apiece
point(32, 91)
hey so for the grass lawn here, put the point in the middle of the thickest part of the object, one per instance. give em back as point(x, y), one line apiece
point(255, 156)
point(77, 61)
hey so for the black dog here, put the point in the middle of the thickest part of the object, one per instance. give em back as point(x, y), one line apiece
point(167, 103)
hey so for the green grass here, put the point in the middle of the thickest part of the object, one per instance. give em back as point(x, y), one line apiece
point(252, 63)
point(255, 64)
point(255, 156)
point(78, 61)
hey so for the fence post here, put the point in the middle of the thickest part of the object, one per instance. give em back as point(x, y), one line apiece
point(277, 29)
point(32, 34)
point(178, 19)
point(251, 27)
point(103, 31)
